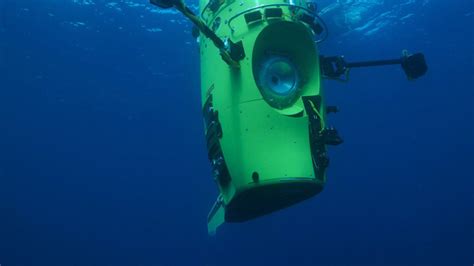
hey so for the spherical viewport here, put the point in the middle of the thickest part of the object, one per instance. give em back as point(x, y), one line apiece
point(279, 76)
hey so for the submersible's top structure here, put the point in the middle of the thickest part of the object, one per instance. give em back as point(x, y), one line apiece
point(263, 104)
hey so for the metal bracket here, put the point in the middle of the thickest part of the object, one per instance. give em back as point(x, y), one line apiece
point(214, 150)
point(312, 105)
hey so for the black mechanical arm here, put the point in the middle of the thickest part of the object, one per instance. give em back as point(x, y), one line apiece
point(335, 67)
point(230, 52)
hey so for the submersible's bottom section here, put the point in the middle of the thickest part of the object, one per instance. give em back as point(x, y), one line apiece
point(261, 199)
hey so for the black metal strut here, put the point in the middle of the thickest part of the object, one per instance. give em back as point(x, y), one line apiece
point(334, 67)
point(230, 52)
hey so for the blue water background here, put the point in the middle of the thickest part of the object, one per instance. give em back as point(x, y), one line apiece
point(103, 159)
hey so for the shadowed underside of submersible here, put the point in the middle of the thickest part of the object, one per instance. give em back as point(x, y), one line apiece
point(263, 105)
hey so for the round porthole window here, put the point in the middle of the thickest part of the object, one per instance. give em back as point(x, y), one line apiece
point(278, 80)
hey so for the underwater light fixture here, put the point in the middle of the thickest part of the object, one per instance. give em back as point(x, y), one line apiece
point(263, 103)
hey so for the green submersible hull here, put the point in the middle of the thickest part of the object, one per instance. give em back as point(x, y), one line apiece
point(262, 119)
point(262, 101)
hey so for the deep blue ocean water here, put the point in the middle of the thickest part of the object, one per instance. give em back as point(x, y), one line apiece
point(103, 159)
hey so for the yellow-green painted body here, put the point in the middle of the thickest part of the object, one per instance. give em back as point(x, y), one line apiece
point(267, 150)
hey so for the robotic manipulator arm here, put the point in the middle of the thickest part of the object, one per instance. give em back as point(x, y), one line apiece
point(227, 50)
point(335, 67)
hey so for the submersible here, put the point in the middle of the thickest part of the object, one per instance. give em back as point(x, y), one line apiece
point(263, 105)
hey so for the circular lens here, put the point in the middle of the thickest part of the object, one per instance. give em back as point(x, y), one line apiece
point(279, 76)
point(278, 81)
